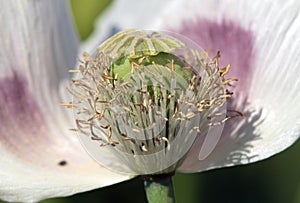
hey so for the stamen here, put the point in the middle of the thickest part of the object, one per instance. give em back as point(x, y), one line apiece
point(68, 105)
point(172, 65)
point(108, 77)
point(74, 71)
point(142, 59)
point(224, 71)
point(197, 129)
point(144, 148)
point(168, 143)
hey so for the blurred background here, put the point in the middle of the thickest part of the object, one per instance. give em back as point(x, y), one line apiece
point(275, 180)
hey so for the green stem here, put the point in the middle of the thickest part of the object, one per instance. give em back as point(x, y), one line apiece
point(159, 190)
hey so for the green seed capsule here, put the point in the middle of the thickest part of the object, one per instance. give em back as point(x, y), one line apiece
point(135, 48)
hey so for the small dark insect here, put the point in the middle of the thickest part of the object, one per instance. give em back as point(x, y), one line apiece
point(62, 163)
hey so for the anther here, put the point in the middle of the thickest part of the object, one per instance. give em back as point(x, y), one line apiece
point(143, 147)
point(68, 105)
point(74, 71)
point(168, 143)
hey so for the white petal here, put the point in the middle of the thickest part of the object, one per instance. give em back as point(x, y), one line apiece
point(125, 14)
point(261, 41)
point(40, 157)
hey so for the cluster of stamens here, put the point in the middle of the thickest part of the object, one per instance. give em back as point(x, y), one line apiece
point(143, 112)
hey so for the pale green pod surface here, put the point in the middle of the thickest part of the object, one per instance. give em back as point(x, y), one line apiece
point(138, 43)
point(163, 64)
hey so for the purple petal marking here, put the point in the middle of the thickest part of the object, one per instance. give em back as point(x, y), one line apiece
point(236, 45)
point(234, 42)
point(23, 130)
